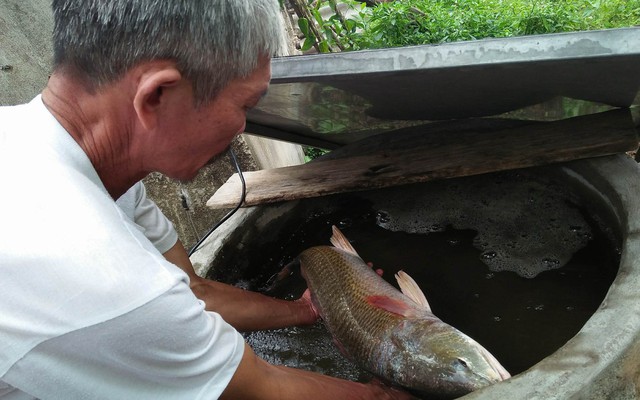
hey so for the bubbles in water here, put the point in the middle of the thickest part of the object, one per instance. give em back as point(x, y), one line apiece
point(436, 228)
point(345, 223)
point(382, 217)
point(520, 218)
point(488, 255)
point(587, 236)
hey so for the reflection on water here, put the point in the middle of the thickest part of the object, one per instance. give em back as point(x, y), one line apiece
point(556, 109)
point(326, 110)
point(342, 117)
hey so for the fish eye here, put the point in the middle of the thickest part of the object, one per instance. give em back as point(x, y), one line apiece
point(462, 363)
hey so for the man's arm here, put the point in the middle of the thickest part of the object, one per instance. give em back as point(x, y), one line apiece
point(257, 379)
point(242, 309)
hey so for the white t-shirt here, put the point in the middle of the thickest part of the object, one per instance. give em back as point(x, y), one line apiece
point(89, 308)
point(148, 217)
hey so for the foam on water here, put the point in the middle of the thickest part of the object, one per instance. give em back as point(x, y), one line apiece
point(524, 224)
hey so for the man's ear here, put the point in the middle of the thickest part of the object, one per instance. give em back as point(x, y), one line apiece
point(149, 94)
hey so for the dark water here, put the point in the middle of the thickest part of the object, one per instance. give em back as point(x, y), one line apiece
point(520, 320)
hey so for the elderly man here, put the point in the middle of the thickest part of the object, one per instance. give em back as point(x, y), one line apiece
point(89, 306)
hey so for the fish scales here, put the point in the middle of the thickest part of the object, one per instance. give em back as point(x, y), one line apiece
point(394, 336)
point(340, 284)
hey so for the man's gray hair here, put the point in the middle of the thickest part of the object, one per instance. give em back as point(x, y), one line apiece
point(211, 41)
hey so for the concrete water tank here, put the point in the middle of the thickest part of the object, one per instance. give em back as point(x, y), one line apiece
point(600, 361)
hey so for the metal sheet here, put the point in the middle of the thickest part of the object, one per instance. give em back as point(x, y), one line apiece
point(328, 100)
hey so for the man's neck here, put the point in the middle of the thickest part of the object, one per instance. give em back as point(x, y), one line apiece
point(89, 117)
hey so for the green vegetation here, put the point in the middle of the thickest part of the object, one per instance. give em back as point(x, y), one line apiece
point(311, 153)
point(400, 23)
point(413, 22)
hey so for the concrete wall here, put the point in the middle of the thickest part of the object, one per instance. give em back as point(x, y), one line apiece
point(25, 64)
point(25, 49)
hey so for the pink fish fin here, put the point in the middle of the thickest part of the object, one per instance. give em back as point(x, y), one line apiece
point(340, 241)
point(410, 288)
point(393, 306)
point(342, 349)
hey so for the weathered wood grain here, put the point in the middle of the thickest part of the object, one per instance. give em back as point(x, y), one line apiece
point(413, 155)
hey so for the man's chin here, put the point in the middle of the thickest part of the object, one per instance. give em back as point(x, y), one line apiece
point(188, 176)
point(218, 156)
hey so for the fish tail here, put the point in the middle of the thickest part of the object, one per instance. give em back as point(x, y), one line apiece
point(289, 269)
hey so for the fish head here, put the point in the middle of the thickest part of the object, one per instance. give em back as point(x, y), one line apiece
point(431, 357)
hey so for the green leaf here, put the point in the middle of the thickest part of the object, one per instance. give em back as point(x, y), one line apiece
point(309, 41)
point(303, 24)
point(318, 17)
point(324, 47)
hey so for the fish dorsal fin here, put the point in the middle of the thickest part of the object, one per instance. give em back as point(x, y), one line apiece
point(340, 241)
point(410, 288)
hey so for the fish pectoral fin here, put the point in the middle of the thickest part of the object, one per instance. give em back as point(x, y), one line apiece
point(410, 288)
point(393, 306)
point(339, 240)
point(342, 349)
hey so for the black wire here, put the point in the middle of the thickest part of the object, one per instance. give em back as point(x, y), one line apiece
point(230, 213)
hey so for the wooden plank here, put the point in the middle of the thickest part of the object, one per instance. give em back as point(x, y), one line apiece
point(410, 156)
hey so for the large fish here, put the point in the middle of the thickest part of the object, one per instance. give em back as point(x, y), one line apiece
point(393, 335)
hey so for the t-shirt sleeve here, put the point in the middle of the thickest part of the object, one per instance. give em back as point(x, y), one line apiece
point(148, 217)
point(169, 348)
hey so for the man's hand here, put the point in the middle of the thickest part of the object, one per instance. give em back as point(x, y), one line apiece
point(243, 309)
point(250, 311)
point(306, 299)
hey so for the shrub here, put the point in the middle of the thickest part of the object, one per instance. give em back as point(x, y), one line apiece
point(403, 22)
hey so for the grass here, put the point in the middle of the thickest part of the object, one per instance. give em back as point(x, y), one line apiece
point(403, 23)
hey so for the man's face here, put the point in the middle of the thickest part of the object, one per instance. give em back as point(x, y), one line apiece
point(196, 135)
